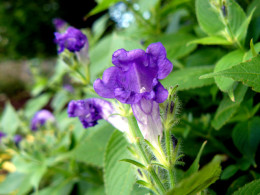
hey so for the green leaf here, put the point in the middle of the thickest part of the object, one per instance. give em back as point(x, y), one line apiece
point(15, 181)
point(10, 120)
point(229, 172)
point(188, 78)
point(140, 165)
point(213, 40)
point(247, 72)
point(119, 177)
point(250, 188)
point(228, 108)
point(232, 27)
point(199, 180)
point(60, 99)
point(91, 149)
point(246, 137)
point(102, 5)
point(101, 54)
point(35, 104)
point(209, 17)
point(233, 58)
point(195, 165)
point(176, 44)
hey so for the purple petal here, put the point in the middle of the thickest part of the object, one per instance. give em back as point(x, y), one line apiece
point(105, 87)
point(161, 94)
point(158, 54)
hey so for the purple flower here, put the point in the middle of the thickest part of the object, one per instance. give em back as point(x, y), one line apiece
point(89, 111)
point(2, 134)
point(73, 40)
point(59, 24)
point(68, 88)
point(135, 80)
point(135, 75)
point(40, 118)
point(17, 138)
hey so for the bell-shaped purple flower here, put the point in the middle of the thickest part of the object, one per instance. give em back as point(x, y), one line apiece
point(59, 24)
point(135, 80)
point(40, 118)
point(2, 134)
point(135, 75)
point(89, 111)
point(73, 40)
point(17, 138)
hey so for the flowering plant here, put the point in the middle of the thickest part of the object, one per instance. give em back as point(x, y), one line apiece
point(156, 98)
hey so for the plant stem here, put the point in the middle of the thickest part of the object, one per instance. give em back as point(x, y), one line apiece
point(143, 155)
point(169, 152)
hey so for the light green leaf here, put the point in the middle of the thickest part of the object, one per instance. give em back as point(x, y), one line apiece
point(213, 40)
point(99, 26)
point(10, 120)
point(60, 99)
point(101, 54)
point(119, 176)
point(102, 5)
point(209, 17)
point(91, 149)
point(199, 180)
point(246, 137)
point(250, 188)
point(134, 163)
point(232, 26)
point(228, 108)
point(188, 78)
point(35, 104)
point(176, 44)
point(247, 72)
point(15, 181)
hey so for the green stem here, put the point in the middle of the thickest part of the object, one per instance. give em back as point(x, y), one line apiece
point(143, 155)
point(169, 152)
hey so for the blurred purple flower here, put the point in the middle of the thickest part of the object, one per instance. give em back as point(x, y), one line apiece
point(2, 134)
point(59, 24)
point(89, 111)
point(17, 138)
point(68, 88)
point(134, 80)
point(40, 118)
point(73, 40)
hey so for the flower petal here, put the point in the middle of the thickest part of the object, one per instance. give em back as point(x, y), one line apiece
point(158, 54)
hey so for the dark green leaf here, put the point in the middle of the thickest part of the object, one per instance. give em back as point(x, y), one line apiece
point(246, 137)
point(250, 188)
point(229, 172)
point(199, 180)
point(228, 108)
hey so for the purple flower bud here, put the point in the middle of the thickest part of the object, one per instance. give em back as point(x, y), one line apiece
point(73, 40)
point(40, 118)
point(89, 111)
point(134, 80)
point(2, 134)
point(17, 138)
point(135, 75)
point(59, 24)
